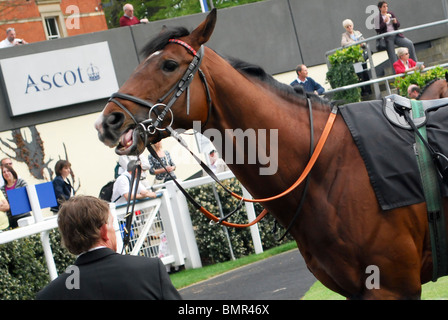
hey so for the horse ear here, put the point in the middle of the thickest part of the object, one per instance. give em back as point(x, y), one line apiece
point(163, 30)
point(202, 33)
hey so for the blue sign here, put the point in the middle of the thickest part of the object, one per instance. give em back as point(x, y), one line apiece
point(19, 202)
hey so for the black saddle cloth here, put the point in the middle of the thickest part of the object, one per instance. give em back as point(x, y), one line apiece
point(388, 151)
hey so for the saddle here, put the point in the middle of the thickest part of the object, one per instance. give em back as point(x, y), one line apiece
point(394, 105)
point(430, 162)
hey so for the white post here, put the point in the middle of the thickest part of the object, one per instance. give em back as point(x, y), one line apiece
point(254, 231)
point(186, 233)
point(44, 236)
point(171, 230)
point(113, 211)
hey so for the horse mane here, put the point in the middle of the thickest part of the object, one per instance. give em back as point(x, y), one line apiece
point(257, 72)
point(248, 69)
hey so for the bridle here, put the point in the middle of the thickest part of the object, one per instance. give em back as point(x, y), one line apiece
point(148, 127)
point(160, 109)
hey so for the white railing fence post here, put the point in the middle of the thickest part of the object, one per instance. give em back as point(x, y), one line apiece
point(186, 233)
point(254, 230)
point(172, 232)
point(45, 235)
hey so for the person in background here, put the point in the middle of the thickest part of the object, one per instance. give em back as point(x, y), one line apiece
point(63, 189)
point(12, 181)
point(11, 40)
point(122, 187)
point(4, 208)
point(128, 19)
point(404, 63)
point(351, 35)
point(414, 91)
point(387, 22)
point(306, 82)
point(4, 162)
point(103, 274)
point(217, 164)
point(157, 169)
point(124, 160)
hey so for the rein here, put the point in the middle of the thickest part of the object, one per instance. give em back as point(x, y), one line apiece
point(149, 127)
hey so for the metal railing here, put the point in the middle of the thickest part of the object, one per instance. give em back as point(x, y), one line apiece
point(369, 52)
point(379, 80)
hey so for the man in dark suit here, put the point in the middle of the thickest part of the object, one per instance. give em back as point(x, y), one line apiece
point(99, 272)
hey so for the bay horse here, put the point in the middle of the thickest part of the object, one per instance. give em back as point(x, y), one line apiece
point(435, 89)
point(341, 231)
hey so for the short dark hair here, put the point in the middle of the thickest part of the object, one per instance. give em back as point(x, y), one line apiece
point(80, 219)
point(60, 165)
point(380, 4)
point(416, 89)
point(299, 68)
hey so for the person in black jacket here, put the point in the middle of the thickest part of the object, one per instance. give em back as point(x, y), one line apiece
point(63, 189)
point(99, 272)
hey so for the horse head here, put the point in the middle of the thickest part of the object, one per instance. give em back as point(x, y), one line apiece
point(143, 110)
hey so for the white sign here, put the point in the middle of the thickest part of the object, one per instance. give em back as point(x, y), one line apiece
point(53, 79)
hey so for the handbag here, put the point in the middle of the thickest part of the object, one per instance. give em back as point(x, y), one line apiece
point(381, 44)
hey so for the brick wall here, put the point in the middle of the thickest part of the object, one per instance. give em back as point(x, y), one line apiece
point(28, 22)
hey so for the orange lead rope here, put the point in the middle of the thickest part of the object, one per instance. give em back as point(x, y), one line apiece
point(306, 171)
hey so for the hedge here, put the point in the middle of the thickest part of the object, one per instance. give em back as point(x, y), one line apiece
point(23, 270)
point(211, 238)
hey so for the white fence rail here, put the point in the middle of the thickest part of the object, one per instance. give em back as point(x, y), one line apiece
point(155, 220)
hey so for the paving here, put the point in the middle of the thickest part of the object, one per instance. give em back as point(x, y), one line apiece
point(281, 277)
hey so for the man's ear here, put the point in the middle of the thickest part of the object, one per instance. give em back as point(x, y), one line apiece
point(103, 233)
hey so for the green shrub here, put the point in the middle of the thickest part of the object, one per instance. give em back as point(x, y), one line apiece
point(23, 270)
point(211, 239)
point(418, 78)
point(342, 73)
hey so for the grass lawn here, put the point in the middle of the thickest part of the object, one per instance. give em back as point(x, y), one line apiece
point(430, 291)
point(187, 277)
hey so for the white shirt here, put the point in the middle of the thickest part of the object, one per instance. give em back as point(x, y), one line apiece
point(121, 187)
point(6, 44)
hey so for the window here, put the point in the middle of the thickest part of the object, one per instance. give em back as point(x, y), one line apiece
point(51, 23)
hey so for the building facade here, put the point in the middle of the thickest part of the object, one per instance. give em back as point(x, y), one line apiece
point(39, 20)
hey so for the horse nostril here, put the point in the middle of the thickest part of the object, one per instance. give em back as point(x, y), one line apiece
point(114, 120)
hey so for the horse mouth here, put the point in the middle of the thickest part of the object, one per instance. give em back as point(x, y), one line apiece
point(127, 143)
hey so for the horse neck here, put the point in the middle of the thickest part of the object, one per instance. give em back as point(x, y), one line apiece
point(253, 108)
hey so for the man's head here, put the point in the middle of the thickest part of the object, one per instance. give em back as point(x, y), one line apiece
point(413, 91)
point(6, 162)
point(10, 34)
point(302, 71)
point(85, 222)
point(132, 166)
point(128, 10)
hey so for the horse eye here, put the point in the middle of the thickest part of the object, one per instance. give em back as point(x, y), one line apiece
point(169, 66)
